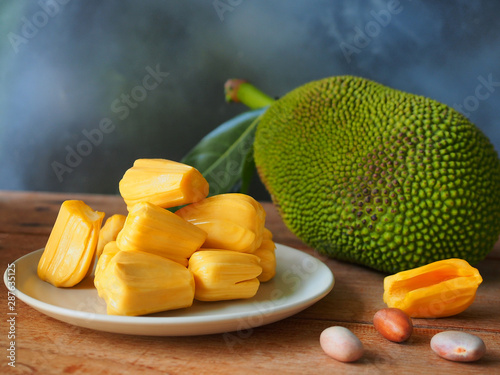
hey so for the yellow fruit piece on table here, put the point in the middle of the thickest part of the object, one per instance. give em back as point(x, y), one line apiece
point(439, 289)
point(232, 221)
point(224, 275)
point(164, 183)
point(267, 256)
point(109, 251)
point(109, 232)
point(152, 229)
point(70, 251)
point(139, 283)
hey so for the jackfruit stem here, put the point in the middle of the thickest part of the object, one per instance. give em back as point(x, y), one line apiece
point(240, 91)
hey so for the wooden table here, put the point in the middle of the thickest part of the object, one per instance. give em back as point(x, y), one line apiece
point(44, 345)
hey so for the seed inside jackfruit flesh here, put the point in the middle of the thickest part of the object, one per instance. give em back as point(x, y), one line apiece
point(70, 251)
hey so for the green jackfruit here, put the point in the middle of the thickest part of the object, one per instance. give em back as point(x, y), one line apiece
point(375, 176)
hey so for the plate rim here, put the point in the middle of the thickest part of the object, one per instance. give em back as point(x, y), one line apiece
point(295, 305)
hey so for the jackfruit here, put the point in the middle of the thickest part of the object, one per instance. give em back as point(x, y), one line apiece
point(267, 255)
point(439, 289)
point(155, 230)
point(224, 274)
point(138, 283)
point(109, 251)
point(165, 183)
point(372, 175)
point(109, 232)
point(69, 254)
point(232, 221)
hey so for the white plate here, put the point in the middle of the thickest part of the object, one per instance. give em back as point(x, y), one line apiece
point(300, 281)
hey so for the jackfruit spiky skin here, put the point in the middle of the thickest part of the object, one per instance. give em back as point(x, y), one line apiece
point(375, 176)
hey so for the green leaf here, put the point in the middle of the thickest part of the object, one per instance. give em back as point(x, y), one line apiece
point(225, 155)
point(248, 170)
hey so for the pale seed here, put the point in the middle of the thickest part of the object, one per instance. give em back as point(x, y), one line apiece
point(458, 346)
point(341, 344)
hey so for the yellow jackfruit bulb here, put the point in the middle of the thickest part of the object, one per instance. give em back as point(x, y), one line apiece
point(138, 283)
point(109, 251)
point(267, 256)
point(109, 232)
point(260, 214)
point(152, 229)
point(70, 251)
point(232, 221)
point(439, 289)
point(162, 182)
point(224, 234)
point(267, 234)
point(224, 275)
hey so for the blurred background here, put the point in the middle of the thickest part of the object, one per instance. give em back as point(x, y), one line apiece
point(145, 78)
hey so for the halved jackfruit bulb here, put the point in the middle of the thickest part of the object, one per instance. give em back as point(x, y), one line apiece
point(138, 283)
point(439, 289)
point(232, 221)
point(70, 251)
point(152, 229)
point(165, 183)
point(224, 275)
point(109, 232)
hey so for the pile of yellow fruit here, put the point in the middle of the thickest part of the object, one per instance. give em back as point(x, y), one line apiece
point(152, 260)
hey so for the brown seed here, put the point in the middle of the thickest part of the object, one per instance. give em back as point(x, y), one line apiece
point(394, 324)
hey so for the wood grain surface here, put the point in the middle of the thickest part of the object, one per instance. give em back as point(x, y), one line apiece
point(47, 346)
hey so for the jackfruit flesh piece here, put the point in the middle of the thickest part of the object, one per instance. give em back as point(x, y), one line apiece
point(267, 234)
point(224, 234)
point(152, 229)
point(109, 232)
point(372, 175)
point(224, 274)
point(162, 182)
point(70, 251)
point(109, 251)
point(232, 221)
point(439, 289)
point(266, 254)
point(138, 283)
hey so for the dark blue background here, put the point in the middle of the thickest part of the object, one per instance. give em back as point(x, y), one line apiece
point(71, 72)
